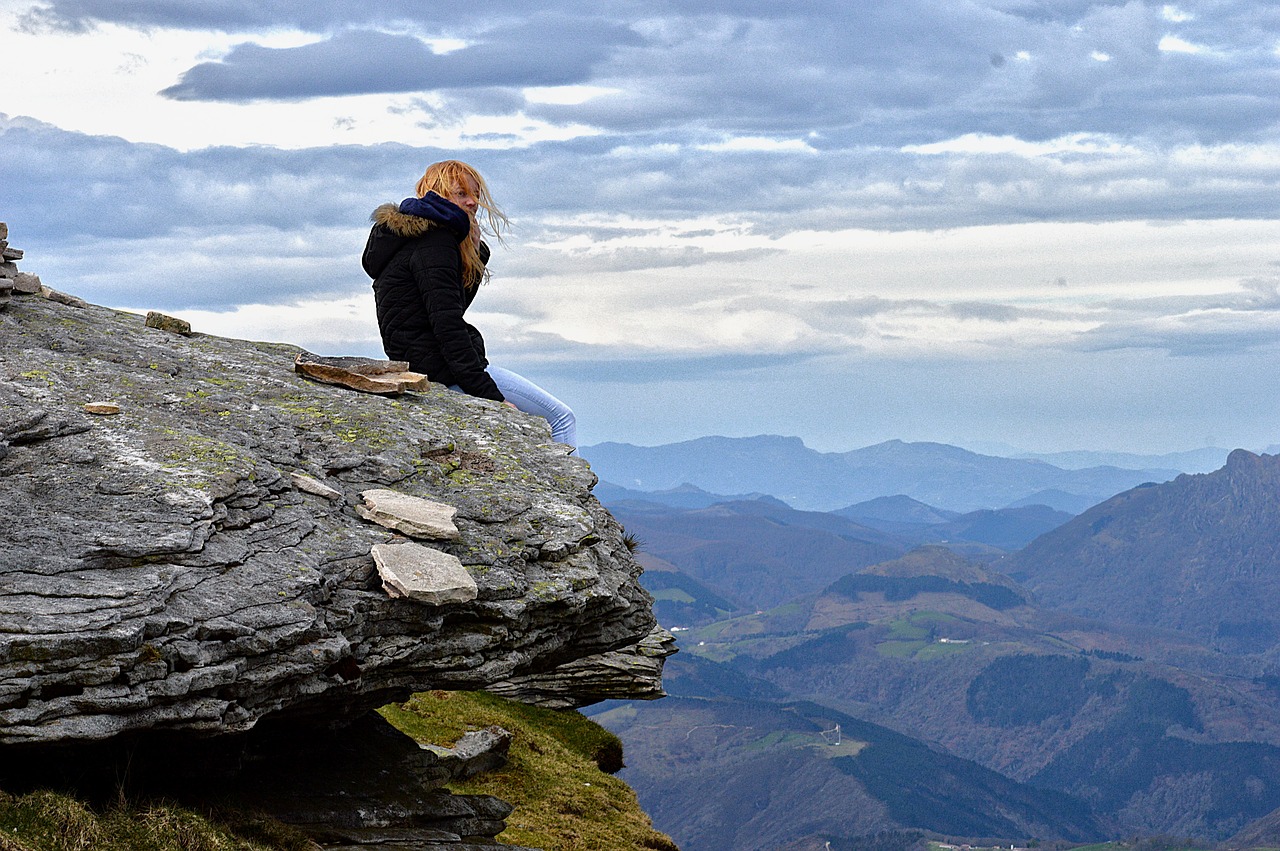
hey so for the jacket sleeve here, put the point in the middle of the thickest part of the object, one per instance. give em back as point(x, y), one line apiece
point(435, 270)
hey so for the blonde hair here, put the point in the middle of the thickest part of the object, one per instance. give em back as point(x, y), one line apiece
point(442, 178)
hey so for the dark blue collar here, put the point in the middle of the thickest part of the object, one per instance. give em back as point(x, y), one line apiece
point(440, 210)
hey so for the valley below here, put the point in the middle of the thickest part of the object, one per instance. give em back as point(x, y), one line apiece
point(894, 671)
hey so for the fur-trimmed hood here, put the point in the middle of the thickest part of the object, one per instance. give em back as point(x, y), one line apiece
point(394, 224)
point(415, 215)
point(401, 224)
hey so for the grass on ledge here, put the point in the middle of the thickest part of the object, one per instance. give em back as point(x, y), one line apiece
point(563, 800)
point(49, 821)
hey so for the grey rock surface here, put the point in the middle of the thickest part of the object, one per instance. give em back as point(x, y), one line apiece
point(159, 568)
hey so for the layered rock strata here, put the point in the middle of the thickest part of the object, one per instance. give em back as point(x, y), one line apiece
point(198, 561)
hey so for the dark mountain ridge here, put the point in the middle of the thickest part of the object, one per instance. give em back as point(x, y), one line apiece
point(744, 774)
point(1200, 554)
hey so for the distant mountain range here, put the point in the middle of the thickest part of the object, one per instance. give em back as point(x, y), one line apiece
point(1195, 461)
point(939, 475)
point(1127, 658)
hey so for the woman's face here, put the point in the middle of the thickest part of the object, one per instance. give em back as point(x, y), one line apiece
point(466, 194)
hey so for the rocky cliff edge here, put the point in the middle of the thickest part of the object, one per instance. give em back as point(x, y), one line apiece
point(205, 557)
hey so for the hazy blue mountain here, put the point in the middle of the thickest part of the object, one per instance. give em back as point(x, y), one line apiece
point(1194, 461)
point(1069, 503)
point(755, 554)
point(1004, 528)
point(1199, 554)
point(939, 475)
point(685, 496)
point(896, 509)
point(915, 523)
point(1150, 692)
point(729, 558)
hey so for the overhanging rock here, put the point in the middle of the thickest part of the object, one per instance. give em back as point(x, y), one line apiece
point(633, 672)
point(197, 561)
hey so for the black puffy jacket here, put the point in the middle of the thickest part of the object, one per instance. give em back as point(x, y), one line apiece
point(420, 297)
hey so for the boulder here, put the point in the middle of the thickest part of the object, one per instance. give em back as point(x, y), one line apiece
point(164, 569)
point(477, 752)
point(26, 283)
point(164, 322)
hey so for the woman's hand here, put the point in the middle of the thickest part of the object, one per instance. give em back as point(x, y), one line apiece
point(510, 405)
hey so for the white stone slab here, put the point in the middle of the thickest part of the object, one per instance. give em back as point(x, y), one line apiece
point(306, 483)
point(410, 515)
point(421, 573)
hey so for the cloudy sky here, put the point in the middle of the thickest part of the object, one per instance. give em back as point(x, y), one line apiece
point(1051, 224)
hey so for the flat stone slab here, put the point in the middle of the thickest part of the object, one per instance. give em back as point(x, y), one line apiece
point(409, 515)
point(383, 377)
point(314, 486)
point(63, 298)
point(421, 573)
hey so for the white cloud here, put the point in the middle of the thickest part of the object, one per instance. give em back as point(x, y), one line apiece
point(980, 143)
point(759, 144)
point(566, 95)
point(334, 327)
point(700, 190)
point(1173, 44)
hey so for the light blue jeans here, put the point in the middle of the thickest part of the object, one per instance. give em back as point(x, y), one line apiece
point(532, 399)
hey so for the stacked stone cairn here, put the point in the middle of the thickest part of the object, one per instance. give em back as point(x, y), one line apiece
point(11, 279)
point(21, 283)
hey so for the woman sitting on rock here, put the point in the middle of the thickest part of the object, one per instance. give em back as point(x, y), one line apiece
point(427, 260)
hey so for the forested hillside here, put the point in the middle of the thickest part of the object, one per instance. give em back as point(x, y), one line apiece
point(1124, 674)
